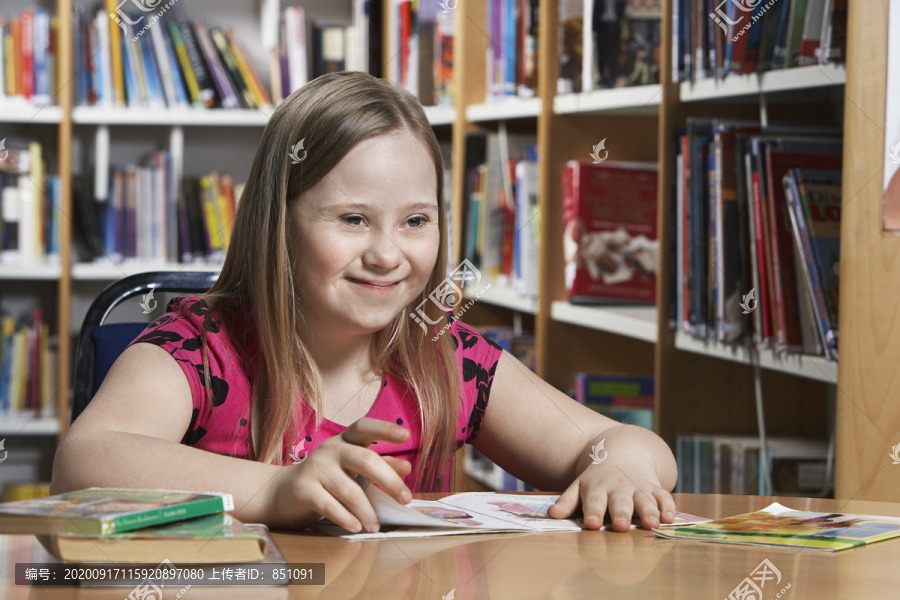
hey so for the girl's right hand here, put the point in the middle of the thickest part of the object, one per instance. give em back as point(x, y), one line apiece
point(323, 484)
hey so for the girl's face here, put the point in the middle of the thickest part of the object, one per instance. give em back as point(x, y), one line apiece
point(367, 235)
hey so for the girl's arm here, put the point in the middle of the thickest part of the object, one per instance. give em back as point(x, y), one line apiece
point(129, 436)
point(540, 435)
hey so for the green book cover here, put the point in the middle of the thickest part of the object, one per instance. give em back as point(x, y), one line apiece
point(208, 527)
point(102, 511)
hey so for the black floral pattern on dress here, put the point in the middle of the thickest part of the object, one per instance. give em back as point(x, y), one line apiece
point(483, 379)
point(195, 433)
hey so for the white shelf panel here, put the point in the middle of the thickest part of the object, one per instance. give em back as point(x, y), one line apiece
point(515, 108)
point(19, 425)
point(39, 271)
point(107, 271)
point(28, 113)
point(629, 100)
point(440, 115)
point(783, 80)
point(500, 294)
point(811, 367)
point(638, 322)
point(90, 115)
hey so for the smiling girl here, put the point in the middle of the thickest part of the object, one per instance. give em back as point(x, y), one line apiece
point(301, 368)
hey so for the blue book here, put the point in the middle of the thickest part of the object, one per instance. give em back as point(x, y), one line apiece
point(132, 91)
point(42, 90)
point(155, 96)
point(6, 372)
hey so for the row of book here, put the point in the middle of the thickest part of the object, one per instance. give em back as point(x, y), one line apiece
point(757, 235)
point(712, 38)
point(501, 217)
point(144, 217)
point(511, 58)
point(423, 60)
point(160, 58)
point(29, 61)
point(30, 211)
point(608, 44)
point(732, 464)
point(27, 367)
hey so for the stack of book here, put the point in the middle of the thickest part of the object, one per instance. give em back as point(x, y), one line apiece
point(712, 38)
point(110, 525)
point(731, 464)
point(500, 232)
point(146, 219)
point(511, 61)
point(158, 58)
point(624, 398)
point(30, 211)
point(28, 361)
point(608, 44)
point(757, 235)
point(28, 57)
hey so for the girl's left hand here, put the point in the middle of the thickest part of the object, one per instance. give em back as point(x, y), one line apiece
point(623, 488)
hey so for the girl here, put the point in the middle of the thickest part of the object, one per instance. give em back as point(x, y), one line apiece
point(309, 362)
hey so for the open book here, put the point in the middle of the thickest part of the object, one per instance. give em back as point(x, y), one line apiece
point(780, 526)
point(469, 512)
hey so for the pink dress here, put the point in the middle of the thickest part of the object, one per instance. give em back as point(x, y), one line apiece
point(223, 426)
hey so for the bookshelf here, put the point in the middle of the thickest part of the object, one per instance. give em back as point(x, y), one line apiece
point(701, 388)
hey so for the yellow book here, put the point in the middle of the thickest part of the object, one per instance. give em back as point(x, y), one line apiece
point(210, 214)
point(115, 43)
point(221, 206)
point(140, 73)
point(20, 360)
point(37, 180)
point(247, 72)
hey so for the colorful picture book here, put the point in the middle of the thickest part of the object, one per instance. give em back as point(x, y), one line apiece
point(213, 538)
point(466, 513)
point(103, 511)
point(782, 527)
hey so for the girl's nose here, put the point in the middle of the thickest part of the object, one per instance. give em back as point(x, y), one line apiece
point(382, 251)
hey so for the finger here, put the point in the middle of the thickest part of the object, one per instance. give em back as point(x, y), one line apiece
point(594, 502)
point(666, 505)
point(401, 466)
point(367, 430)
point(621, 507)
point(566, 504)
point(646, 508)
point(331, 508)
point(348, 493)
point(376, 469)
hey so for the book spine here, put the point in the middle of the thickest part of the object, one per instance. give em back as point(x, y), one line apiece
point(207, 95)
point(242, 91)
point(27, 44)
point(158, 516)
point(190, 80)
point(217, 70)
point(116, 62)
point(41, 56)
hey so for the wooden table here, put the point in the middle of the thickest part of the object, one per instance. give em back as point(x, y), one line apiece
point(587, 564)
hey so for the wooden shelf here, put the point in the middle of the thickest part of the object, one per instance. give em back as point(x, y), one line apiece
point(629, 100)
point(20, 425)
point(515, 108)
point(107, 271)
point(28, 113)
point(811, 367)
point(753, 84)
point(167, 117)
point(501, 294)
point(638, 322)
point(35, 272)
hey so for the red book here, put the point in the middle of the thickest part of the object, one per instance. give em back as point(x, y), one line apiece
point(27, 42)
point(509, 222)
point(786, 301)
point(405, 32)
point(762, 253)
point(610, 241)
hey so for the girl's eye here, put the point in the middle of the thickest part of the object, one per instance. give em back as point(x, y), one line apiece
point(417, 221)
point(353, 219)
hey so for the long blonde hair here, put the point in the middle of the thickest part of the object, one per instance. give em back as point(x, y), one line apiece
point(331, 114)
